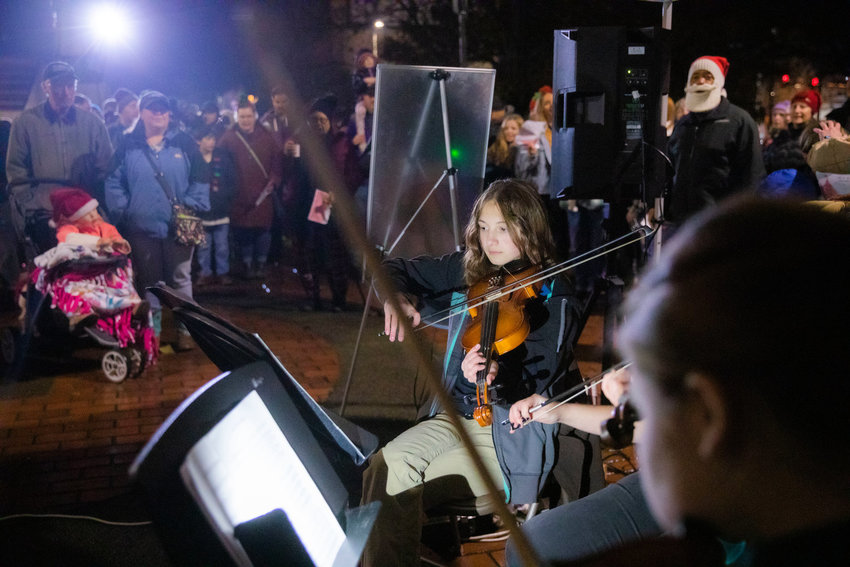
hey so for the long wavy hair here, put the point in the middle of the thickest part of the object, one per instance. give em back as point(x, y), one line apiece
point(499, 153)
point(527, 222)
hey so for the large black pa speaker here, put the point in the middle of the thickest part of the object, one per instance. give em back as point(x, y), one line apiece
point(610, 108)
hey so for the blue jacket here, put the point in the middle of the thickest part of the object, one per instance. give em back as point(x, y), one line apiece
point(134, 198)
point(540, 365)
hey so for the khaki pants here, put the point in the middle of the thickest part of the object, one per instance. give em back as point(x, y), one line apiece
point(425, 466)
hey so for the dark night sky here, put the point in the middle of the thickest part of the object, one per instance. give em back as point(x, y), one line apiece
point(194, 49)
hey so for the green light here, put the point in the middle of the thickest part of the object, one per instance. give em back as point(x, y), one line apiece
point(456, 153)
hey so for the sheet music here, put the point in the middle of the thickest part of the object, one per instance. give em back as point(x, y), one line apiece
point(245, 467)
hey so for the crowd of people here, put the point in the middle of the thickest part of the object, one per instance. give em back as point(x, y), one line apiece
point(141, 154)
point(716, 149)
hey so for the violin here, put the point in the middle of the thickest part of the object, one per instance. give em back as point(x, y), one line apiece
point(498, 325)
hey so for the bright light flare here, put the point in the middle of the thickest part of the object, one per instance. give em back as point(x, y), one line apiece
point(109, 24)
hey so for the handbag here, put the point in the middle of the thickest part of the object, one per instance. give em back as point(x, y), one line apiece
point(186, 227)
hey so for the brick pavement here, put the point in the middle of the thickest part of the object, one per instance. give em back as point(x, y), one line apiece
point(69, 438)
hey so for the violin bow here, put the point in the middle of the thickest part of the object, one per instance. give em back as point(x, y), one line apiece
point(572, 393)
point(626, 240)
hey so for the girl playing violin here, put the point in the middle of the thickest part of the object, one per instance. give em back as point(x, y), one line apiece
point(427, 465)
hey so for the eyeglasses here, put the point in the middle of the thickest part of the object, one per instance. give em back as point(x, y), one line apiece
point(319, 120)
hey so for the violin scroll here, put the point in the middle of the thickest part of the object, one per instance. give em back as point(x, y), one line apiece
point(483, 414)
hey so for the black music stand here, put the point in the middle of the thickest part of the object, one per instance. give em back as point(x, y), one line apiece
point(345, 444)
point(235, 476)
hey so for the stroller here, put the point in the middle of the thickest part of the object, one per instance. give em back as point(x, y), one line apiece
point(74, 295)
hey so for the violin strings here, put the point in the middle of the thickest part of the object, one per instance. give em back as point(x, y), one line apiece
point(488, 333)
point(445, 314)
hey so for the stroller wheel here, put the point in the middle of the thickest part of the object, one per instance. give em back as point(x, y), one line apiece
point(115, 366)
point(136, 360)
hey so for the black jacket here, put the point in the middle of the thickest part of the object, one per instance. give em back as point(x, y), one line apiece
point(221, 175)
point(540, 365)
point(715, 154)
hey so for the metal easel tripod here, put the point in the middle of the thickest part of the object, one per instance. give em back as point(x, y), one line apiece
point(439, 77)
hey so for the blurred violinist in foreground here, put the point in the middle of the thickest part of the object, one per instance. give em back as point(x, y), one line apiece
point(738, 374)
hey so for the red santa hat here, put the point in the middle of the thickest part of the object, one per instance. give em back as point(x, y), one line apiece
point(705, 96)
point(71, 204)
point(717, 66)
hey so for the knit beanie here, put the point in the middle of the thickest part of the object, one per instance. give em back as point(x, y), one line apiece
point(71, 204)
point(325, 104)
point(781, 107)
point(123, 97)
point(702, 98)
point(812, 98)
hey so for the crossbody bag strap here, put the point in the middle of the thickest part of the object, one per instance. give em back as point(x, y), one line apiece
point(251, 151)
point(160, 177)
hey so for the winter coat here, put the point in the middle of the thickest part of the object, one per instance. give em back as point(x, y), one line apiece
point(537, 168)
point(135, 199)
point(220, 173)
point(250, 178)
point(715, 154)
point(74, 148)
point(831, 156)
point(298, 196)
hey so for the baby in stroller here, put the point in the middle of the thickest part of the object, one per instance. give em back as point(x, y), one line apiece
point(89, 278)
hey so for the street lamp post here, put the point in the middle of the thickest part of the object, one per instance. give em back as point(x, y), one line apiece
point(460, 7)
point(376, 27)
